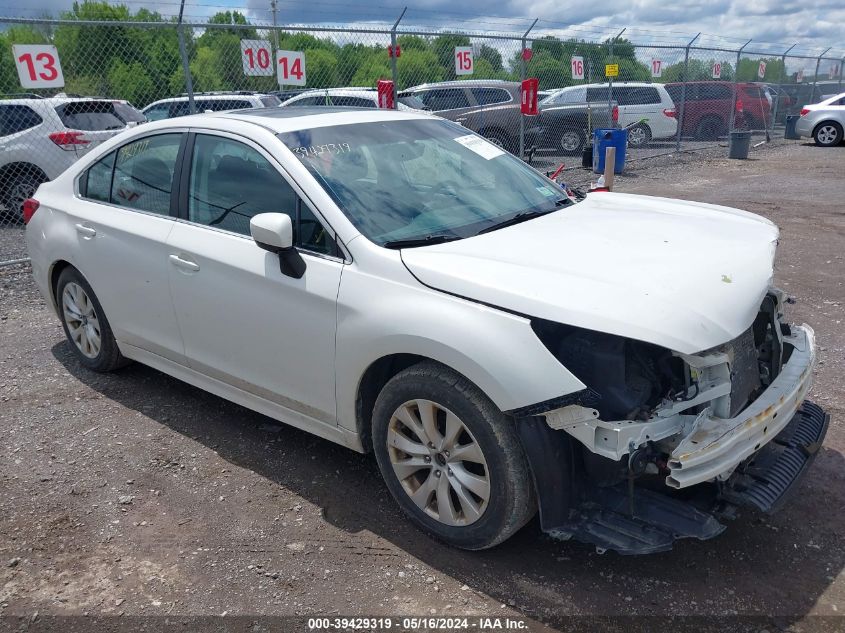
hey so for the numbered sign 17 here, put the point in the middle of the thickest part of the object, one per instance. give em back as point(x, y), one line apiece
point(656, 67)
point(257, 58)
point(717, 70)
point(761, 70)
point(463, 60)
point(38, 66)
point(577, 67)
point(290, 67)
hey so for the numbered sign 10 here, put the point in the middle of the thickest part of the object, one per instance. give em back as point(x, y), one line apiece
point(257, 58)
point(290, 67)
point(577, 67)
point(38, 66)
point(656, 67)
point(717, 70)
point(463, 60)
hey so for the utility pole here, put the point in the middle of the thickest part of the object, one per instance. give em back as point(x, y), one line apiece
point(275, 31)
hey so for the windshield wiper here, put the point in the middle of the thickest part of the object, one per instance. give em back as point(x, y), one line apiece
point(522, 217)
point(427, 240)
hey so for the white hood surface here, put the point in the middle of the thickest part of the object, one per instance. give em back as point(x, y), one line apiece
point(683, 275)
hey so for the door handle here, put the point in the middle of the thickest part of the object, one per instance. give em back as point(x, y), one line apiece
point(85, 231)
point(185, 264)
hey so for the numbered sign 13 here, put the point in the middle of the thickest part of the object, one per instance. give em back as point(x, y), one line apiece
point(463, 60)
point(577, 67)
point(38, 66)
point(257, 58)
point(290, 67)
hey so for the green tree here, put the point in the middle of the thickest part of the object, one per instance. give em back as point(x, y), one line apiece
point(320, 68)
point(492, 56)
point(418, 67)
point(131, 82)
point(412, 43)
point(24, 34)
point(444, 47)
point(371, 71)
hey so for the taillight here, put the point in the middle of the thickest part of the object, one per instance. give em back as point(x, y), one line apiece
point(66, 140)
point(30, 206)
point(739, 106)
point(615, 114)
point(805, 111)
point(670, 112)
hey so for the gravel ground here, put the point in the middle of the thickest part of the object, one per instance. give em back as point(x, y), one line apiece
point(138, 495)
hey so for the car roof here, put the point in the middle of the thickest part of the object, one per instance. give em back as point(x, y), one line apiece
point(52, 101)
point(217, 96)
point(345, 92)
point(467, 83)
point(291, 119)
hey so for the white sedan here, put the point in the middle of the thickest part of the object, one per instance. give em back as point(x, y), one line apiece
point(394, 283)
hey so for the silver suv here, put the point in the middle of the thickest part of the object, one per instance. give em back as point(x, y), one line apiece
point(41, 137)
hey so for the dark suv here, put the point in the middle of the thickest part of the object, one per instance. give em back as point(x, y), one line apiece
point(487, 106)
point(708, 105)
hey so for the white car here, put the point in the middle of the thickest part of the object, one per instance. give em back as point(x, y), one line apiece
point(346, 97)
point(395, 283)
point(208, 102)
point(823, 122)
point(41, 137)
point(636, 101)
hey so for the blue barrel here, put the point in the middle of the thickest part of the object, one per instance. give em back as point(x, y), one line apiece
point(604, 138)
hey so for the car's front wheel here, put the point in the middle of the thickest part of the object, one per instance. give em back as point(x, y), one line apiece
point(85, 323)
point(450, 458)
point(639, 135)
point(828, 134)
point(572, 142)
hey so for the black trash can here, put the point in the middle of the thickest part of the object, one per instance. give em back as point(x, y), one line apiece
point(791, 122)
point(739, 145)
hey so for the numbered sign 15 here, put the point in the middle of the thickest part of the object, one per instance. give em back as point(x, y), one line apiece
point(290, 66)
point(717, 70)
point(656, 67)
point(38, 66)
point(257, 58)
point(463, 60)
point(577, 67)
point(761, 70)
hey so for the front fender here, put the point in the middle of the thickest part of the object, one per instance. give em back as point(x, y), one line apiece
point(496, 350)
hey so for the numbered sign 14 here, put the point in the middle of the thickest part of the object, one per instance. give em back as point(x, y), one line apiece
point(290, 66)
point(257, 58)
point(656, 67)
point(38, 66)
point(717, 70)
point(463, 60)
point(577, 67)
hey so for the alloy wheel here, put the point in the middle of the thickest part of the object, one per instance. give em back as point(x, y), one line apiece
point(570, 141)
point(828, 135)
point(438, 462)
point(83, 326)
point(637, 136)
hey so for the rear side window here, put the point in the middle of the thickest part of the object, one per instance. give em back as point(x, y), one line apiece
point(309, 101)
point(445, 99)
point(90, 115)
point(128, 113)
point(716, 91)
point(598, 94)
point(17, 118)
point(96, 183)
point(489, 96)
point(143, 173)
point(625, 95)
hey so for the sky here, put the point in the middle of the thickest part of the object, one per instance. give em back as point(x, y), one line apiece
point(776, 24)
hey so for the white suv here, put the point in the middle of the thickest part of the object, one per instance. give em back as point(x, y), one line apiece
point(208, 102)
point(40, 138)
point(347, 98)
point(636, 100)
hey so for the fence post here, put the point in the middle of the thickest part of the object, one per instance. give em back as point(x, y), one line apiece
point(521, 79)
point(816, 74)
point(610, 80)
point(186, 67)
point(684, 94)
point(841, 71)
point(780, 84)
point(394, 72)
point(736, 84)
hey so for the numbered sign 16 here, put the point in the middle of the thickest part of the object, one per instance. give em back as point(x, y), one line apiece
point(761, 70)
point(717, 70)
point(290, 66)
point(577, 67)
point(257, 58)
point(656, 67)
point(463, 60)
point(38, 66)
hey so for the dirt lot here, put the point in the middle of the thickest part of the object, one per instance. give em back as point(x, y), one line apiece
point(136, 494)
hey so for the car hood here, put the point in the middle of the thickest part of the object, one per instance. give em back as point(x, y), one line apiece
point(683, 275)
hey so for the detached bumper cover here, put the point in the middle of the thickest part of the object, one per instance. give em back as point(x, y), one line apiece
point(716, 446)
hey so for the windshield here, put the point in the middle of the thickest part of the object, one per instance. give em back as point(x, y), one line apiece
point(400, 181)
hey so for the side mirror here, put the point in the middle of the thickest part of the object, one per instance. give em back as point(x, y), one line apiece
point(274, 232)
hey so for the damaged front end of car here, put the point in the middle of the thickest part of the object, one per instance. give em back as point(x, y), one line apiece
point(669, 444)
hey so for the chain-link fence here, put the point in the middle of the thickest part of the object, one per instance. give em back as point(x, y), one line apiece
point(107, 72)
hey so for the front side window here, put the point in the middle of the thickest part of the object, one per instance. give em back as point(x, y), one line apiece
point(490, 96)
point(143, 173)
point(411, 180)
point(445, 99)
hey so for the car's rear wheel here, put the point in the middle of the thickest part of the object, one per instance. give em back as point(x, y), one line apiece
point(85, 323)
point(450, 458)
point(639, 135)
point(19, 185)
point(828, 134)
point(572, 142)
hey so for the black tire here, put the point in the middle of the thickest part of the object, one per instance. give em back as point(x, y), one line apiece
point(502, 139)
point(828, 134)
point(571, 142)
point(17, 186)
point(639, 135)
point(108, 357)
point(511, 501)
point(710, 128)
